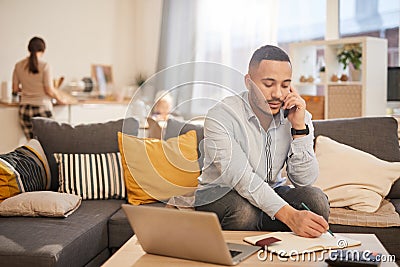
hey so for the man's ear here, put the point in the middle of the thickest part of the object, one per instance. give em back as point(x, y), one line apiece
point(247, 81)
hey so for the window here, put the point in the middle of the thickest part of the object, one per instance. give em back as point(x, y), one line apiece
point(300, 20)
point(377, 18)
point(228, 32)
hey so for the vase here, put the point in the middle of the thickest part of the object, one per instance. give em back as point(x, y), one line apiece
point(322, 76)
point(355, 74)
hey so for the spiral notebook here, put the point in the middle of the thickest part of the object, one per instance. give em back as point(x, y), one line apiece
point(288, 243)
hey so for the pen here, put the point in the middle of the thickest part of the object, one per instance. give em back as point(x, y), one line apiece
point(307, 208)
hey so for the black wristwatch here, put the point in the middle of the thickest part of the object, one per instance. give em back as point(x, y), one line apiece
point(300, 132)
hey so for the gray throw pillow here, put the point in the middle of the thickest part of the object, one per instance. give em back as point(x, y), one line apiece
point(56, 137)
point(175, 128)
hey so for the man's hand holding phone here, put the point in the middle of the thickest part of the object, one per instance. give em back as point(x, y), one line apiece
point(296, 107)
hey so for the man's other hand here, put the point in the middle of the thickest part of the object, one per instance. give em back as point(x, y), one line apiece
point(302, 222)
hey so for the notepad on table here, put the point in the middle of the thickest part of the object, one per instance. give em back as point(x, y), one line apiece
point(292, 244)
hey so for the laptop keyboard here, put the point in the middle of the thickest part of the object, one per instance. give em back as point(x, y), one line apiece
point(234, 253)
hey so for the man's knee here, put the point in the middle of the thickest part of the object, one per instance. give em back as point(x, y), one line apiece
point(234, 212)
point(316, 200)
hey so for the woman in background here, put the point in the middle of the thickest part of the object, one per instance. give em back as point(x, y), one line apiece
point(163, 105)
point(32, 78)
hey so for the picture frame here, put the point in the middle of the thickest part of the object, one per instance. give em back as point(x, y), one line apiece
point(103, 78)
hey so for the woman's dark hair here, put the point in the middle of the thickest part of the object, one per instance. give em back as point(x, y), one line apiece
point(268, 52)
point(35, 45)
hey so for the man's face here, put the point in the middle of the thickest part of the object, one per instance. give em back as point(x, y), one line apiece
point(268, 85)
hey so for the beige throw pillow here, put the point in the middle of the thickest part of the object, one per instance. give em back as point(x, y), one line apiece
point(353, 178)
point(40, 203)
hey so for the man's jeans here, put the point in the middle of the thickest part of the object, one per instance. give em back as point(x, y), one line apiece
point(237, 213)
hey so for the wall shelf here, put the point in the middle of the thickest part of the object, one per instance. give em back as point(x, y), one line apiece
point(370, 99)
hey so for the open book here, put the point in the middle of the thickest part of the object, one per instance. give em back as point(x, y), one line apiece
point(292, 244)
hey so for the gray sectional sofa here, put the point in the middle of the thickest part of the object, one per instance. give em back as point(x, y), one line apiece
point(99, 227)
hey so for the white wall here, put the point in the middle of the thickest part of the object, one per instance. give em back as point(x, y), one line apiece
point(78, 33)
point(147, 34)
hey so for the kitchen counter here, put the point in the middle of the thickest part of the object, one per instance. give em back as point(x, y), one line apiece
point(92, 110)
point(109, 100)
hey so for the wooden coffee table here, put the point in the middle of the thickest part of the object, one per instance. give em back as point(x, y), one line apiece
point(132, 254)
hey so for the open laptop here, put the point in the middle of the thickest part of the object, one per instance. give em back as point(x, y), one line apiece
point(191, 235)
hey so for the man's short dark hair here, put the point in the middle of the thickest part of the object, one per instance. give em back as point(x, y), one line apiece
point(268, 52)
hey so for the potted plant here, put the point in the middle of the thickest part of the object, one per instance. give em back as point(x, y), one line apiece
point(350, 54)
point(132, 89)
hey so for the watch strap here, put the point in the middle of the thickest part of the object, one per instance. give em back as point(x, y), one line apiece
point(305, 131)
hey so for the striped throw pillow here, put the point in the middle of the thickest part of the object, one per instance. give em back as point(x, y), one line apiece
point(23, 170)
point(91, 176)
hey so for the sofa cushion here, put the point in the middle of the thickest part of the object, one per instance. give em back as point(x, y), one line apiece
point(91, 176)
point(361, 133)
point(385, 216)
point(176, 127)
point(119, 229)
point(40, 203)
point(71, 241)
point(395, 191)
point(396, 204)
point(56, 137)
point(353, 178)
point(156, 170)
point(23, 170)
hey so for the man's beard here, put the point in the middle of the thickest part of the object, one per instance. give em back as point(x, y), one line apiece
point(263, 104)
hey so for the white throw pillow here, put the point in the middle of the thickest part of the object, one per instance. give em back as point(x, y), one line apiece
point(351, 177)
point(40, 203)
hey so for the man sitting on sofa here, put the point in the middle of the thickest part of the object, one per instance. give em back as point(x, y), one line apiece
point(248, 139)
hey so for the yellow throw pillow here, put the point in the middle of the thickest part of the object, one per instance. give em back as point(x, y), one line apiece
point(155, 170)
point(351, 177)
point(8, 181)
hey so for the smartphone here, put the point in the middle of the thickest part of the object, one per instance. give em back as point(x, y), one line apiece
point(286, 111)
